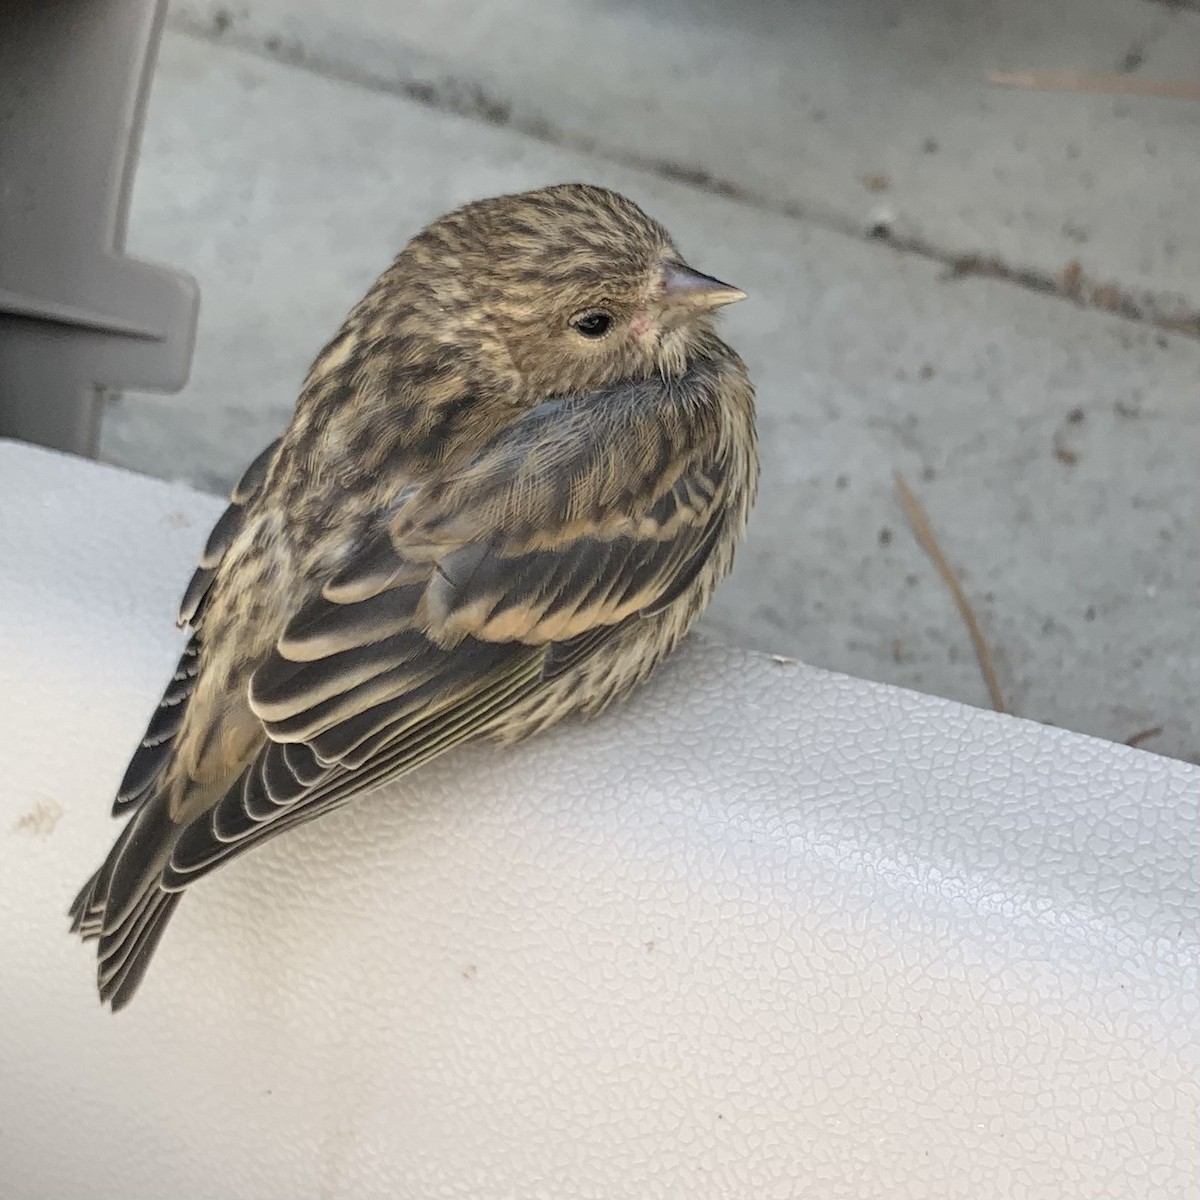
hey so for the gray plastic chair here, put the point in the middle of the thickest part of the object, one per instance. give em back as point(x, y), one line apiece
point(77, 317)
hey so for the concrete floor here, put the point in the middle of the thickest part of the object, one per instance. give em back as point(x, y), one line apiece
point(291, 149)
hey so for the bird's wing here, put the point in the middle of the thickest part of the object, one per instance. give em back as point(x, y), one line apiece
point(222, 535)
point(480, 589)
point(155, 749)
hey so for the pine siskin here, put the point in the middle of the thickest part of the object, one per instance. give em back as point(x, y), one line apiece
point(511, 483)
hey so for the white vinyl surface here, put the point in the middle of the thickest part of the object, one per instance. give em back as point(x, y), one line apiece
point(762, 932)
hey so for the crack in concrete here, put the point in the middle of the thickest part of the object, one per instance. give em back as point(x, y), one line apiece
point(1071, 283)
point(468, 98)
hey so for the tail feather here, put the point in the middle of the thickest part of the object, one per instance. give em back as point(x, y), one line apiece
point(123, 904)
point(85, 912)
point(137, 860)
point(120, 969)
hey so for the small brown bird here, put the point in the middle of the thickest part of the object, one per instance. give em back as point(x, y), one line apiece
point(511, 483)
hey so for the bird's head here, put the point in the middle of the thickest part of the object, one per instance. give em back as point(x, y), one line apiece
point(571, 288)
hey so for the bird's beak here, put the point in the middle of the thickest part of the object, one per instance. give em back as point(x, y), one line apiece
point(688, 289)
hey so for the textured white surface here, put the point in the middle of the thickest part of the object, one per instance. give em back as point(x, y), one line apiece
point(765, 931)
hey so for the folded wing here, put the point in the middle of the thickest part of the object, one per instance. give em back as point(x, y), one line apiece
point(480, 589)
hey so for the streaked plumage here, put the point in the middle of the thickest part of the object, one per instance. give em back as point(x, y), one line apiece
point(486, 514)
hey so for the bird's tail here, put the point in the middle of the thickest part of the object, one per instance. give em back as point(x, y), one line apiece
point(124, 906)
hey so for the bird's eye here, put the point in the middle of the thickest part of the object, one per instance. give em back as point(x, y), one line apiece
point(593, 324)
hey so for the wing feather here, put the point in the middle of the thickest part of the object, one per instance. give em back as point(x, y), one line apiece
point(157, 745)
point(475, 593)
